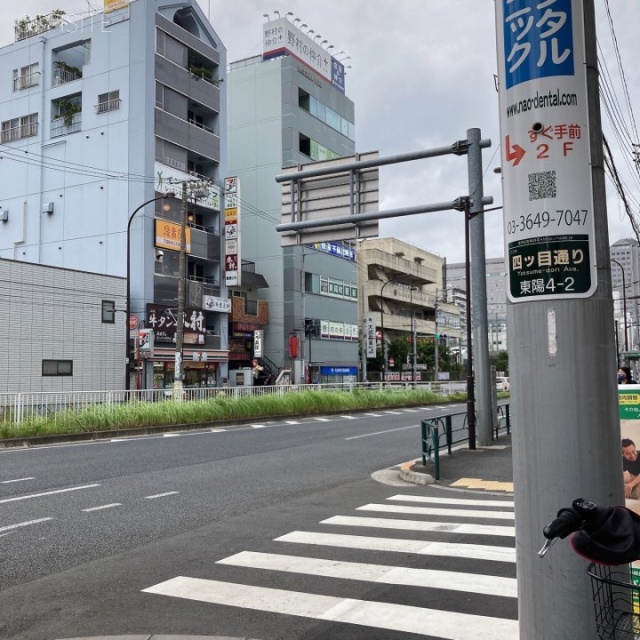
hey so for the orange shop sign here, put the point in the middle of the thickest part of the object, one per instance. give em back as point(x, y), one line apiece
point(168, 235)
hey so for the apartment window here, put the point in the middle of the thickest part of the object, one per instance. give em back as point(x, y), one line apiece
point(108, 311)
point(17, 128)
point(108, 101)
point(57, 367)
point(26, 77)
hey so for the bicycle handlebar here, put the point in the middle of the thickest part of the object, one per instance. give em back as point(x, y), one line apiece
point(567, 521)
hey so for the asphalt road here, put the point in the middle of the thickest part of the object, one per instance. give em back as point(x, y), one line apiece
point(85, 528)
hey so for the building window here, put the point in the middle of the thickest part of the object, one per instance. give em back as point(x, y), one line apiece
point(26, 77)
point(108, 311)
point(66, 115)
point(57, 367)
point(23, 127)
point(108, 101)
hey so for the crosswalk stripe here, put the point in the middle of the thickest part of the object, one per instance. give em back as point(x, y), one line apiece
point(489, 585)
point(409, 619)
point(453, 501)
point(419, 525)
point(421, 547)
point(429, 511)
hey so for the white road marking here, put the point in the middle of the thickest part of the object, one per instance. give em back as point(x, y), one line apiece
point(394, 413)
point(420, 525)
point(421, 547)
point(23, 524)
point(411, 410)
point(217, 430)
point(16, 480)
point(374, 415)
point(104, 506)
point(171, 435)
point(48, 493)
point(429, 511)
point(349, 417)
point(291, 422)
point(453, 501)
point(258, 426)
point(489, 585)
point(378, 433)
point(447, 625)
point(323, 419)
point(161, 495)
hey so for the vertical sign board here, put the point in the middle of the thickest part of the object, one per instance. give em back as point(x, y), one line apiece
point(370, 335)
point(232, 266)
point(548, 203)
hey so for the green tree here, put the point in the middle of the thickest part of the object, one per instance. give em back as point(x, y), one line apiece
point(501, 362)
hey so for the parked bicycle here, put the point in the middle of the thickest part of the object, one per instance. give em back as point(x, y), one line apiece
point(609, 537)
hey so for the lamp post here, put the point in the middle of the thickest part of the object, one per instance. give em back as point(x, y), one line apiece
point(165, 196)
point(624, 305)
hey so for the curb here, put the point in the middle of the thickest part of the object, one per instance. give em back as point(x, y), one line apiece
point(413, 476)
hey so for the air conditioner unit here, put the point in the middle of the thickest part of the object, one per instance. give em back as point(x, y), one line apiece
point(4, 215)
point(47, 207)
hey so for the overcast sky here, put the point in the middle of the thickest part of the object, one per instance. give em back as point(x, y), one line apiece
point(421, 74)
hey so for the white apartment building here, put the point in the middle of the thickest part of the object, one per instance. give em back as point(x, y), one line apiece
point(97, 118)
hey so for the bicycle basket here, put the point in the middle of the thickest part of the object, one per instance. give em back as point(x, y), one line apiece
point(616, 599)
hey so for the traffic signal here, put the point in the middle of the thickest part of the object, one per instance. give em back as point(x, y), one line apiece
point(308, 327)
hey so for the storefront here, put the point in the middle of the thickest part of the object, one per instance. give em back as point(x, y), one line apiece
point(336, 374)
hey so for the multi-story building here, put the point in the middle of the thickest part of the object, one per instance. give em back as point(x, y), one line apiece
point(288, 107)
point(496, 298)
point(625, 280)
point(402, 288)
point(61, 329)
point(99, 117)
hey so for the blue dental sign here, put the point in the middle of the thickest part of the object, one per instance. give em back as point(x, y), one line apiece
point(538, 40)
point(339, 371)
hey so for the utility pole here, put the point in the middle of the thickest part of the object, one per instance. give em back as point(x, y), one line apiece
point(178, 389)
point(560, 314)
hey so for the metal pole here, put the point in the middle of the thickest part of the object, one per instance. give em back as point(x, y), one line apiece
point(384, 338)
point(624, 306)
point(436, 338)
point(413, 341)
point(166, 196)
point(178, 390)
point(484, 380)
point(471, 400)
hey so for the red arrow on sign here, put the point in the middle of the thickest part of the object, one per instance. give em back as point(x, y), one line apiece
point(515, 153)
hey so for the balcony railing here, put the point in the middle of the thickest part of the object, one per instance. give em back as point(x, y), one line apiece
point(204, 127)
point(21, 131)
point(62, 76)
point(108, 105)
point(26, 81)
point(59, 127)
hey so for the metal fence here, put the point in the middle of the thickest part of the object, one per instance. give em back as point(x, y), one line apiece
point(450, 429)
point(17, 408)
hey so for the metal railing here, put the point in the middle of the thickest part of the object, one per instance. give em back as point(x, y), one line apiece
point(454, 429)
point(18, 408)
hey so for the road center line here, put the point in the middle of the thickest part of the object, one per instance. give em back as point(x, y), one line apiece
point(48, 493)
point(377, 433)
point(23, 524)
point(161, 495)
point(104, 506)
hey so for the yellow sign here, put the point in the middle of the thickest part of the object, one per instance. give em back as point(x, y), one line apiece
point(231, 215)
point(168, 235)
point(114, 5)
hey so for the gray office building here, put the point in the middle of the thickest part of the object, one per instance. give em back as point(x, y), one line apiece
point(288, 107)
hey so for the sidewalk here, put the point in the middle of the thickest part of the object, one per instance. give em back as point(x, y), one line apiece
point(485, 468)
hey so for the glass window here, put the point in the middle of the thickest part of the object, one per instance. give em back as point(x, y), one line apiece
point(108, 311)
point(57, 367)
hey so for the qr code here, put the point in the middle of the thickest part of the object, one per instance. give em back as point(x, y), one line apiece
point(542, 185)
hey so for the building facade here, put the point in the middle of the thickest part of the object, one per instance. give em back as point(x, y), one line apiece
point(402, 288)
point(496, 298)
point(288, 107)
point(62, 327)
point(101, 116)
point(625, 281)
